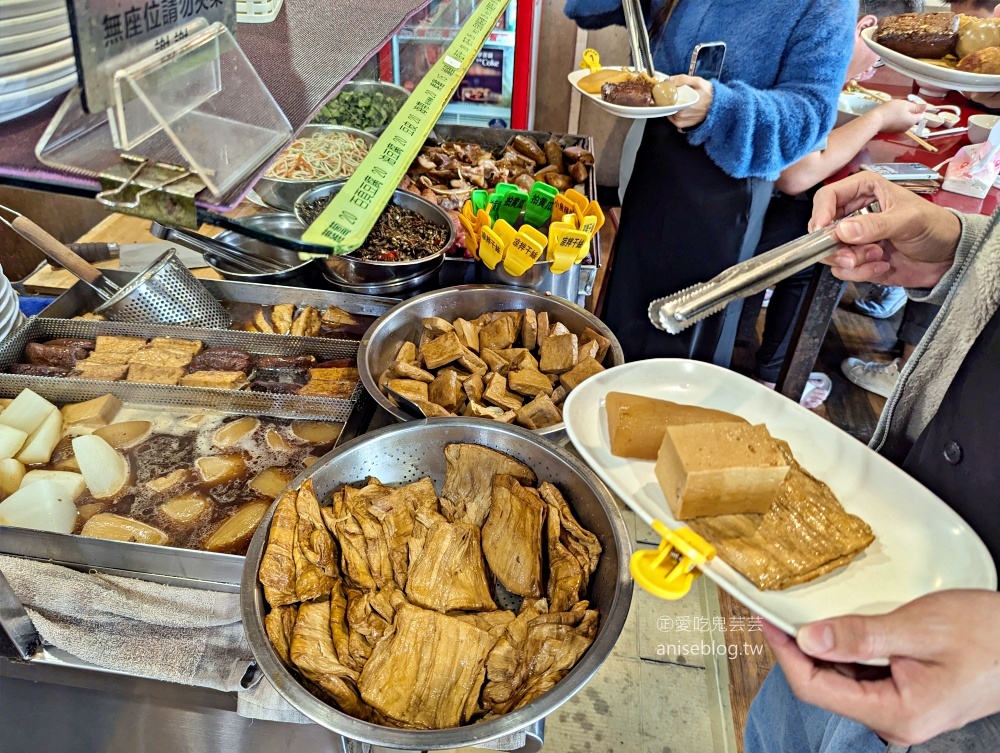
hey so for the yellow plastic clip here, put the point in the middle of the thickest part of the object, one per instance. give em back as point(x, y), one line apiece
point(526, 248)
point(578, 199)
point(594, 210)
point(471, 233)
point(562, 206)
point(565, 245)
point(491, 248)
point(591, 60)
point(669, 571)
point(483, 218)
point(506, 232)
point(467, 210)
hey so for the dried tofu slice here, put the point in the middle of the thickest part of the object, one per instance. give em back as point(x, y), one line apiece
point(468, 485)
point(512, 536)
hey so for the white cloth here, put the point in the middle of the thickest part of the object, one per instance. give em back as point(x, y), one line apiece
point(629, 149)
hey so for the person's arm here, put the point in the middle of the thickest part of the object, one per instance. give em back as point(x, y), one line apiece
point(944, 665)
point(844, 143)
point(759, 132)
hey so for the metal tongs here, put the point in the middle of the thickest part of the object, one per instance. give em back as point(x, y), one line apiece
point(677, 312)
point(638, 37)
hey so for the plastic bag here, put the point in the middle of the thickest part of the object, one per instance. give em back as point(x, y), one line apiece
point(973, 170)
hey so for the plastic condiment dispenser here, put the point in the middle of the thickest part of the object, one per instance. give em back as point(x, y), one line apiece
point(669, 571)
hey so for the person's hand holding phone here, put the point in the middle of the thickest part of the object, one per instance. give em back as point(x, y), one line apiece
point(694, 115)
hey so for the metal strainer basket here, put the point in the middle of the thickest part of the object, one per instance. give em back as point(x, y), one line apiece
point(166, 293)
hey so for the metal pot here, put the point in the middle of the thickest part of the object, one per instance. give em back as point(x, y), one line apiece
point(278, 224)
point(402, 322)
point(281, 193)
point(381, 277)
point(401, 454)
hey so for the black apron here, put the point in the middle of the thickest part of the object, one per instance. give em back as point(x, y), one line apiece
point(684, 221)
point(957, 456)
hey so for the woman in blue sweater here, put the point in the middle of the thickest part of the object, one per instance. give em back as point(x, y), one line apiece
point(703, 177)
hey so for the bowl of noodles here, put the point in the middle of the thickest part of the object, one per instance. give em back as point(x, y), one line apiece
point(318, 155)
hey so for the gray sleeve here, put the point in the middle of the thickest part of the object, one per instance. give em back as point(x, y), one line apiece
point(974, 227)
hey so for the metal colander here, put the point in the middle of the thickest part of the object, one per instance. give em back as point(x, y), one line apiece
point(166, 293)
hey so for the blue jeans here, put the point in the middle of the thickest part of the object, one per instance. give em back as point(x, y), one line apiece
point(780, 723)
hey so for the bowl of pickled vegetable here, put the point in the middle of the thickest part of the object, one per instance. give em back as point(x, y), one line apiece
point(365, 105)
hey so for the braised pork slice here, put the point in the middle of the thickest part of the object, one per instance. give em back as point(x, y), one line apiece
point(450, 574)
point(804, 535)
point(313, 652)
point(468, 484)
point(429, 672)
point(512, 536)
point(277, 566)
point(279, 623)
point(536, 651)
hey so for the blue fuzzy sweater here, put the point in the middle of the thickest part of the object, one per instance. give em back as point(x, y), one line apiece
point(785, 65)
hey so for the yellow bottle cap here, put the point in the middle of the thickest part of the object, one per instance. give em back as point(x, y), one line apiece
point(669, 571)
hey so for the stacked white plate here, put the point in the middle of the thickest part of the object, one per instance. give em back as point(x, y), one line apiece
point(36, 55)
point(10, 313)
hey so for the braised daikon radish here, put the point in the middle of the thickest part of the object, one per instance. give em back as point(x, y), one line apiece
point(106, 525)
point(125, 434)
point(11, 441)
point(42, 441)
point(26, 412)
point(11, 473)
point(71, 482)
point(238, 529)
point(43, 506)
point(103, 468)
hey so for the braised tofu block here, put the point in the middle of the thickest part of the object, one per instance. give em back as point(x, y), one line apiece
point(529, 329)
point(282, 316)
point(436, 326)
point(468, 334)
point(588, 350)
point(579, 373)
point(529, 382)
point(473, 363)
point(118, 344)
point(450, 573)
point(150, 374)
point(161, 357)
point(92, 414)
point(637, 424)
point(334, 374)
point(337, 317)
point(108, 358)
point(428, 673)
point(589, 335)
point(495, 361)
point(539, 413)
point(102, 372)
point(488, 318)
point(468, 485)
point(508, 418)
point(473, 388)
point(221, 359)
point(559, 394)
point(478, 410)
point(500, 334)
point(543, 326)
point(336, 389)
point(558, 328)
point(432, 410)
point(219, 380)
point(176, 344)
point(407, 370)
point(410, 388)
point(557, 354)
point(307, 323)
point(496, 392)
point(261, 323)
point(446, 390)
point(442, 350)
point(720, 469)
point(407, 352)
point(512, 536)
point(524, 360)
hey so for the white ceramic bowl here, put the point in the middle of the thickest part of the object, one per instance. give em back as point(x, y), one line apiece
point(850, 106)
point(980, 127)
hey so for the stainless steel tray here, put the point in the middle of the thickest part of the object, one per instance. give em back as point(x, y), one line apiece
point(80, 298)
point(171, 565)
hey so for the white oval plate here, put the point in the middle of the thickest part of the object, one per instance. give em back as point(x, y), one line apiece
point(29, 60)
point(10, 43)
point(944, 78)
point(33, 22)
point(686, 96)
point(921, 545)
point(17, 82)
point(30, 98)
point(17, 8)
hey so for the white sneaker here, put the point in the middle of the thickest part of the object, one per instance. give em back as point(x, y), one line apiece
point(874, 376)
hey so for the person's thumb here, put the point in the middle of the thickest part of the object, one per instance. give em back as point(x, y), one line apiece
point(866, 228)
point(683, 80)
point(859, 638)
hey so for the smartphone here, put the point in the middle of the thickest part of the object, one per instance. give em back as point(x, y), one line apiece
point(902, 171)
point(707, 59)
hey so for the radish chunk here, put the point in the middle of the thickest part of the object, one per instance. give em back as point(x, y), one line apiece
point(71, 482)
point(104, 470)
point(11, 473)
point(42, 441)
point(44, 506)
point(11, 441)
point(26, 412)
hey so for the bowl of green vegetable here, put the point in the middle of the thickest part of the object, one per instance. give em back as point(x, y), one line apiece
point(365, 105)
